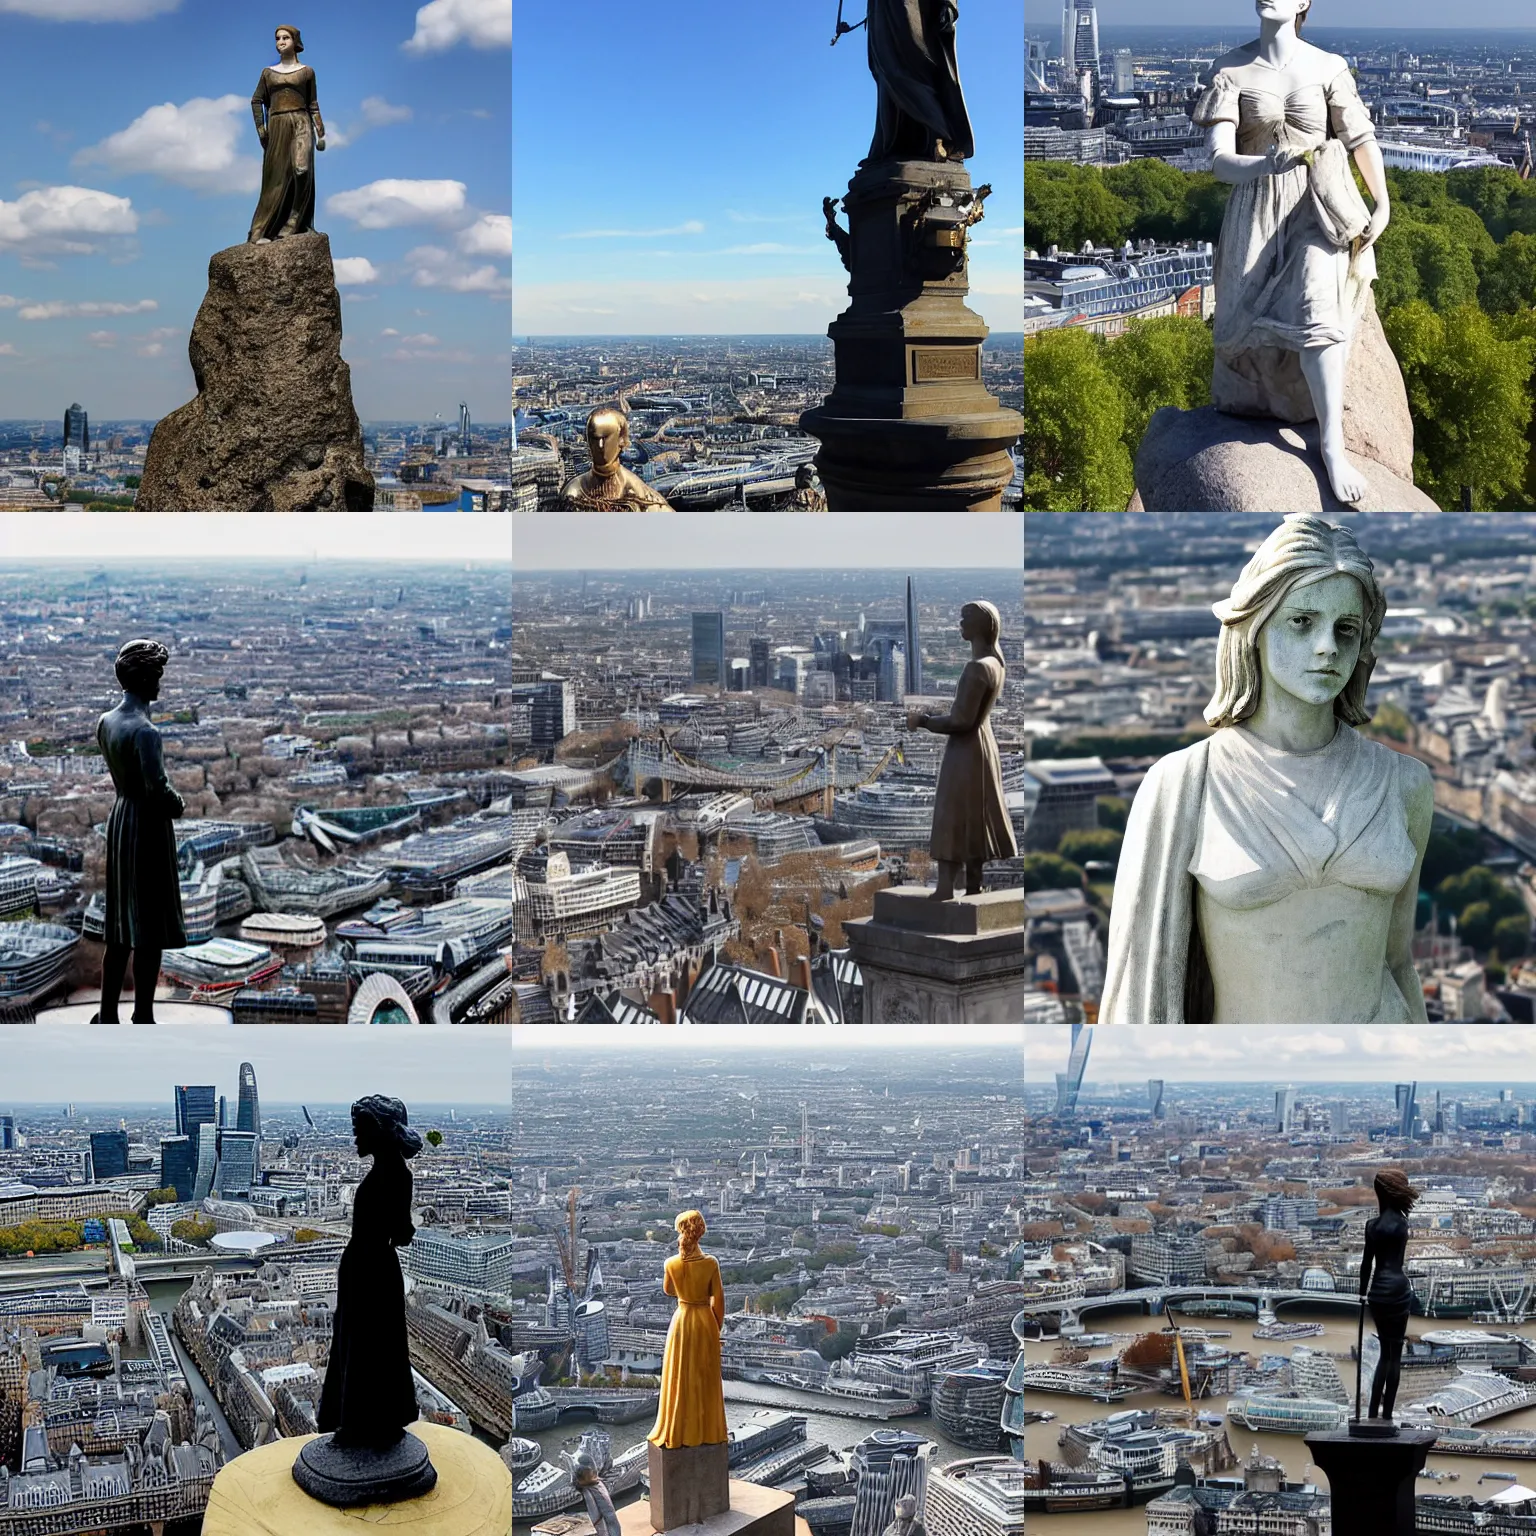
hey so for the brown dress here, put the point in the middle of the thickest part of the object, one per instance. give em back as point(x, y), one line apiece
point(970, 820)
point(692, 1408)
point(289, 102)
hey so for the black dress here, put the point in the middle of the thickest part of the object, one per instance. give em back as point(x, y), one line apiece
point(369, 1396)
point(912, 57)
point(1390, 1296)
point(143, 883)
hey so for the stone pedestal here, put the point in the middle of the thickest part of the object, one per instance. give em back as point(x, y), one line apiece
point(909, 425)
point(1371, 1481)
point(753, 1511)
point(255, 1495)
point(949, 962)
point(689, 1483)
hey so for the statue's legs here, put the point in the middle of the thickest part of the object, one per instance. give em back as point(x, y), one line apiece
point(973, 876)
point(113, 969)
point(1323, 368)
point(146, 972)
point(1390, 1330)
point(945, 889)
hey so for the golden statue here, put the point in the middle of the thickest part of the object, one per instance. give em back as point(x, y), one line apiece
point(692, 1410)
point(608, 486)
point(286, 107)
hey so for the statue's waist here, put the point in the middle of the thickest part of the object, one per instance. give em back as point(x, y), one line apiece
point(289, 103)
point(683, 1303)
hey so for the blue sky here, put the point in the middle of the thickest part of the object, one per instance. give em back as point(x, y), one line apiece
point(668, 174)
point(1328, 13)
point(129, 157)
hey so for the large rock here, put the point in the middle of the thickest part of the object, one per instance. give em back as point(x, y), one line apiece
point(1206, 461)
point(273, 428)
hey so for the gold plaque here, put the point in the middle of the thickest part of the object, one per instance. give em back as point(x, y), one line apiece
point(931, 365)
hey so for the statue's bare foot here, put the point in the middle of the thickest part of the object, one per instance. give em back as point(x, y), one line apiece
point(1349, 485)
point(941, 894)
point(939, 151)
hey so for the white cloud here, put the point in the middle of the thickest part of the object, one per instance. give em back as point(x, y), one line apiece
point(8, 302)
point(89, 10)
point(63, 219)
point(433, 267)
point(766, 248)
point(352, 270)
point(57, 309)
point(489, 235)
point(391, 203)
point(7, 350)
point(692, 227)
point(765, 218)
point(389, 330)
point(103, 339)
point(196, 144)
point(422, 339)
point(446, 23)
point(375, 112)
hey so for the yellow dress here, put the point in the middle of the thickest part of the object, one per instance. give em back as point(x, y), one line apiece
point(692, 1410)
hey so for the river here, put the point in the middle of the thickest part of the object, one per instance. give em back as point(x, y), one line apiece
point(1338, 1339)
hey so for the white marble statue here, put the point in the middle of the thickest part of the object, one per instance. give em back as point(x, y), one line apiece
point(1270, 872)
point(1294, 264)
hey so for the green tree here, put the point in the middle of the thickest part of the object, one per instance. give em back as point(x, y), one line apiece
point(1508, 278)
point(1065, 205)
point(166, 1196)
point(1467, 387)
point(1512, 936)
point(1427, 261)
point(434, 1138)
point(1164, 361)
point(191, 1230)
point(1153, 192)
point(1080, 845)
point(1075, 459)
point(1476, 926)
point(1447, 854)
point(306, 1235)
point(1112, 811)
point(1050, 872)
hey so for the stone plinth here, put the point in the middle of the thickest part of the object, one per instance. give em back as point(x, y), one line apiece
point(950, 962)
point(165, 1013)
point(909, 425)
point(1371, 1481)
point(255, 1495)
point(753, 1511)
point(689, 1483)
point(273, 428)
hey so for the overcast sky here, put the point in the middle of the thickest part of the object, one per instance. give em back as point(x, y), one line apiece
point(1327, 13)
point(613, 541)
point(550, 1040)
point(288, 537)
point(294, 1063)
point(1226, 1053)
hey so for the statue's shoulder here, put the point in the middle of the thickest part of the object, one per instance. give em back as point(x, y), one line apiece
point(1328, 65)
point(1234, 58)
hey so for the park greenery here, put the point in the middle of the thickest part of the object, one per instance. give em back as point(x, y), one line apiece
point(35, 1238)
point(1455, 287)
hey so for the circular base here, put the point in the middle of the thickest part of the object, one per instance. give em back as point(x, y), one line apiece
point(349, 1476)
point(165, 1013)
point(1373, 1429)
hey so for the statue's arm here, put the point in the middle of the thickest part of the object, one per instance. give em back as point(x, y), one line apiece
point(965, 713)
point(152, 763)
point(1420, 810)
point(1235, 169)
point(314, 111)
point(258, 107)
point(1367, 1260)
point(717, 1296)
point(666, 1281)
point(1374, 174)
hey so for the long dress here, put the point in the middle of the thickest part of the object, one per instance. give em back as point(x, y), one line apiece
point(369, 1396)
point(1281, 284)
point(912, 57)
point(1250, 826)
point(143, 882)
point(692, 1408)
point(970, 819)
point(287, 203)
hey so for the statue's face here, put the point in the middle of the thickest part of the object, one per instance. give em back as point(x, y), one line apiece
point(605, 440)
point(1310, 644)
point(284, 40)
point(1281, 10)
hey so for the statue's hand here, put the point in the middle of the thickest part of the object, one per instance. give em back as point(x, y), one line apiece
point(1380, 214)
point(262, 135)
point(320, 142)
point(949, 16)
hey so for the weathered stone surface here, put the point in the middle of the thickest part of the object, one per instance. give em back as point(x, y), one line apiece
point(1204, 461)
point(689, 1483)
point(753, 1511)
point(273, 428)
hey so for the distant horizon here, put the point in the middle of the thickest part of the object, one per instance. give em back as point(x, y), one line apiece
point(596, 337)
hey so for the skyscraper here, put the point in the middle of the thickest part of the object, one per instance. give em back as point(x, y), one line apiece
point(237, 1164)
point(1407, 1108)
point(207, 1160)
point(1070, 1082)
point(1155, 1097)
point(195, 1106)
point(914, 645)
point(77, 428)
point(1125, 72)
point(1285, 1108)
point(1080, 40)
point(709, 649)
point(248, 1115)
point(7, 1133)
point(178, 1165)
point(109, 1154)
point(759, 647)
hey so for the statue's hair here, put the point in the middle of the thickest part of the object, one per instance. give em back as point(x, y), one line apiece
point(617, 411)
point(298, 42)
point(691, 1225)
point(1302, 551)
point(1301, 16)
point(140, 662)
point(391, 1119)
point(1394, 1191)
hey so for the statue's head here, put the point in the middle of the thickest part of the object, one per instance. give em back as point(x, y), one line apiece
point(381, 1124)
point(1283, 10)
point(1303, 617)
point(980, 620)
point(139, 667)
point(690, 1228)
point(1394, 1192)
point(905, 1507)
point(607, 436)
point(805, 477)
point(583, 1469)
point(285, 35)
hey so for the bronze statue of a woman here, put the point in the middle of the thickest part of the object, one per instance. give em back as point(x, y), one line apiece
point(368, 1399)
point(970, 818)
point(1384, 1284)
point(921, 112)
point(143, 882)
point(692, 1406)
point(286, 106)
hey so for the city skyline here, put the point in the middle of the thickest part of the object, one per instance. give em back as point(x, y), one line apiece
point(744, 250)
point(1394, 15)
point(111, 207)
point(549, 1039)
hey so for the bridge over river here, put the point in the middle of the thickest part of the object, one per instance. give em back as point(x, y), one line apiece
point(1155, 1299)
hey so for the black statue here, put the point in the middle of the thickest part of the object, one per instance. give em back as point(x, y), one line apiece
point(1384, 1284)
point(368, 1456)
point(921, 114)
point(143, 884)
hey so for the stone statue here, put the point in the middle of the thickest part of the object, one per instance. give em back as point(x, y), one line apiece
point(808, 495)
point(1384, 1285)
point(970, 819)
point(905, 1521)
point(143, 882)
point(921, 109)
point(368, 1456)
point(608, 486)
point(595, 1498)
point(692, 1408)
point(1294, 264)
point(1270, 872)
point(286, 107)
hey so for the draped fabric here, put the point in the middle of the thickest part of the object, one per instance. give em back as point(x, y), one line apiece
point(1282, 285)
point(287, 202)
point(143, 892)
point(970, 819)
point(369, 1397)
point(912, 57)
point(692, 1408)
